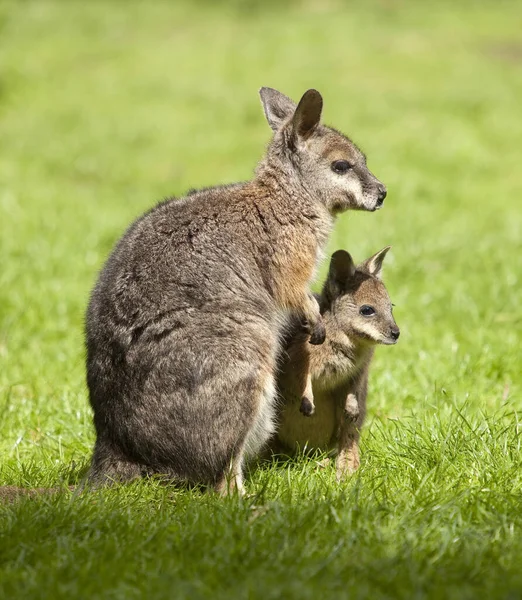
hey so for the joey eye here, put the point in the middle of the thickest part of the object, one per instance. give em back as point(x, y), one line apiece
point(341, 166)
point(367, 311)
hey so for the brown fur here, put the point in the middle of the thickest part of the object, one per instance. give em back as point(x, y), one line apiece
point(184, 323)
point(338, 370)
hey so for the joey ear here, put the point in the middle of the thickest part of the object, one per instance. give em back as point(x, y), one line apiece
point(278, 107)
point(342, 266)
point(373, 265)
point(308, 113)
point(342, 269)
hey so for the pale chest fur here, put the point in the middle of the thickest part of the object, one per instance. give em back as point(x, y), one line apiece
point(318, 431)
point(334, 367)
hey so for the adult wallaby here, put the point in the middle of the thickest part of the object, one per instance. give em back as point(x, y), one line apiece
point(184, 323)
point(357, 314)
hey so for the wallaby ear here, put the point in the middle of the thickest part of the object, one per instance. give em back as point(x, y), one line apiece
point(342, 269)
point(342, 266)
point(373, 265)
point(308, 113)
point(278, 107)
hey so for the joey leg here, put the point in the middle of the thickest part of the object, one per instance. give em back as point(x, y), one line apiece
point(351, 408)
point(347, 460)
point(307, 401)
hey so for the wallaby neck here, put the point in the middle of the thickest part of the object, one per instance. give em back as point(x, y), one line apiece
point(280, 181)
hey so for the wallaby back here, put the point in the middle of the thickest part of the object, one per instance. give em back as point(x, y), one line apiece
point(183, 325)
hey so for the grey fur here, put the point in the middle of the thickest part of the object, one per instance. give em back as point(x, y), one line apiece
point(184, 323)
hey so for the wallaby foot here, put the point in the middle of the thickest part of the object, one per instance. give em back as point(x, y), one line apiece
point(110, 466)
point(232, 480)
point(347, 461)
point(348, 458)
point(115, 472)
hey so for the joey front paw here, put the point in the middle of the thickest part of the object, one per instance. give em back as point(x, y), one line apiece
point(307, 407)
point(351, 408)
point(351, 415)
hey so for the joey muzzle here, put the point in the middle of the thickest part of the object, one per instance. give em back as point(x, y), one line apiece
point(395, 332)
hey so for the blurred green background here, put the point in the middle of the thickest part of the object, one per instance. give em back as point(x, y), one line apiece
point(108, 107)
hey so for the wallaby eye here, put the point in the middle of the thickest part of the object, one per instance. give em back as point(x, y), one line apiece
point(367, 311)
point(341, 166)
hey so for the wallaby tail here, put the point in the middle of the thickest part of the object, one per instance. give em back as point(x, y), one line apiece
point(13, 493)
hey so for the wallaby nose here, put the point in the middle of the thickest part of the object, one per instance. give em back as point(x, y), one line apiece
point(381, 195)
point(395, 333)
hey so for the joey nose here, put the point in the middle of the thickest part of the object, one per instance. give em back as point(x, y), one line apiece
point(395, 333)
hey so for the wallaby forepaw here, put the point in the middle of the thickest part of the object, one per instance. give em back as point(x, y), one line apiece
point(318, 334)
point(351, 415)
point(351, 408)
point(307, 407)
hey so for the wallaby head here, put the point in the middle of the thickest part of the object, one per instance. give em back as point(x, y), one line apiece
point(357, 299)
point(318, 158)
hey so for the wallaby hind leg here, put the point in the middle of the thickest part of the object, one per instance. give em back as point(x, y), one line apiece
point(110, 465)
point(232, 480)
point(262, 428)
point(348, 458)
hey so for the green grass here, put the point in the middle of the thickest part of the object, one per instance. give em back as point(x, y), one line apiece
point(106, 108)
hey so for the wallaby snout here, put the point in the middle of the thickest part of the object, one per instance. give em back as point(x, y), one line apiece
point(381, 195)
point(392, 337)
point(321, 160)
point(374, 191)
